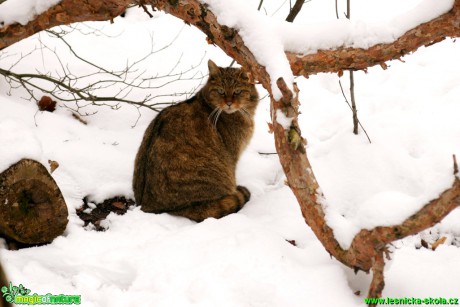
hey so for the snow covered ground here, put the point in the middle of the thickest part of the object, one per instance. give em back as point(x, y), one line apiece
point(410, 111)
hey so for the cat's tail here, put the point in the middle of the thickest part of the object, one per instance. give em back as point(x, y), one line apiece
point(221, 207)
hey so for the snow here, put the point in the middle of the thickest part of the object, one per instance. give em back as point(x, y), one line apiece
point(406, 155)
point(22, 142)
point(268, 39)
point(10, 14)
point(283, 120)
point(410, 112)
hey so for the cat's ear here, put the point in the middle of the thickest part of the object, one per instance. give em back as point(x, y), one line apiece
point(213, 68)
point(247, 76)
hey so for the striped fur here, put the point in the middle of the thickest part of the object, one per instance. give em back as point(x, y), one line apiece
point(187, 159)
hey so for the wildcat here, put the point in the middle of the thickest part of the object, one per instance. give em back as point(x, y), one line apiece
point(186, 162)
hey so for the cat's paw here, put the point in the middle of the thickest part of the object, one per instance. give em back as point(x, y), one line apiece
point(245, 192)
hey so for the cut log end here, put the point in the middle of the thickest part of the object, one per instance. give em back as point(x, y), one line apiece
point(32, 208)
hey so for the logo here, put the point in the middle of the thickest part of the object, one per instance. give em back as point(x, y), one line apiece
point(21, 296)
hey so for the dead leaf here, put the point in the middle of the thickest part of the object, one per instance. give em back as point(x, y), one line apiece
point(53, 165)
point(270, 128)
point(46, 103)
point(119, 205)
point(440, 241)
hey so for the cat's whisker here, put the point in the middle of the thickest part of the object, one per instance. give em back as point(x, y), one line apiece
point(211, 115)
point(216, 117)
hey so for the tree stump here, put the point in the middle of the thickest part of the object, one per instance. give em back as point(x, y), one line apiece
point(32, 208)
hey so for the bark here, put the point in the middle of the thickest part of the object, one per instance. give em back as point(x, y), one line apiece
point(295, 10)
point(378, 282)
point(337, 60)
point(368, 246)
point(66, 12)
point(32, 208)
point(290, 145)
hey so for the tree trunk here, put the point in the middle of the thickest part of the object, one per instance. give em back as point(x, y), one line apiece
point(32, 208)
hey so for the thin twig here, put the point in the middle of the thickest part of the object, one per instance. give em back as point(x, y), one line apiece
point(336, 9)
point(142, 4)
point(260, 5)
point(351, 108)
point(78, 91)
point(348, 10)
point(58, 35)
point(353, 103)
point(455, 165)
point(276, 11)
point(295, 10)
point(352, 85)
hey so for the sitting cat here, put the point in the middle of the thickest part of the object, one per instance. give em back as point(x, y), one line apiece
point(186, 162)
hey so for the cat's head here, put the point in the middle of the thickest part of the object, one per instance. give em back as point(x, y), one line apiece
point(230, 89)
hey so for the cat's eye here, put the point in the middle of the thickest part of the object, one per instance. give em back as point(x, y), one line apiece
point(221, 91)
point(237, 92)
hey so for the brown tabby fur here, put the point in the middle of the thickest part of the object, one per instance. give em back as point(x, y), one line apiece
point(186, 162)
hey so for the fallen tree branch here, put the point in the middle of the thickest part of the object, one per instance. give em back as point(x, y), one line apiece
point(65, 12)
point(336, 60)
point(378, 282)
point(368, 246)
point(294, 161)
point(322, 61)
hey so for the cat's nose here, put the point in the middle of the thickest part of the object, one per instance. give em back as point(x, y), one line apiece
point(229, 102)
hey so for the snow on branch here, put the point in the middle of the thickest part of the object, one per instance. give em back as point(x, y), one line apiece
point(270, 39)
point(356, 58)
point(63, 13)
point(309, 49)
point(11, 13)
point(369, 246)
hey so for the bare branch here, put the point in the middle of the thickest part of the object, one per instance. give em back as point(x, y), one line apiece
point(351, 108)
point(455, 165)
point(61, 37)
point(78, 92)
point(260, 5)
point(295, 10)
point(65, 12)
point(378, 282)
point(354, 110)
point(368, 243)
point(142, 4)
point(69, 11)
point(337, 60)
